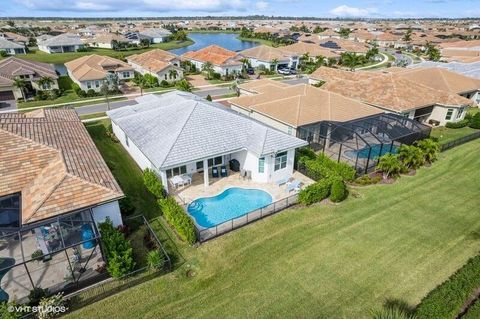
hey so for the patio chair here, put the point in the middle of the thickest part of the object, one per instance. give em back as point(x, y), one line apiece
point(295, 185)
point(215, 172)
point(223, 171)
point(242, 174)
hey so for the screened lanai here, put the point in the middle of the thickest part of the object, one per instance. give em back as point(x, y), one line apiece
point(56, 254)
point(362, 141)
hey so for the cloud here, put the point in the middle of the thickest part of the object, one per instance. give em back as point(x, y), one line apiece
point(346, 11)
point(261, 5)
point(214, 6)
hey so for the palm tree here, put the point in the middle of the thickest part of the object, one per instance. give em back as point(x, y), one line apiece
point(351, 60)
point(430, 149)
point(390, 165)
point(45, 81)
point(139, 81)
point(274, 63)
point(234, 87)
point(208, 68)
point(246, 63)
point(411, 156)
point(20, 84)
point(184, 85)
point(172, 74)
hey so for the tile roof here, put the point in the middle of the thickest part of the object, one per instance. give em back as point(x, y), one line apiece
point(6, 44)
point(48, 156)
point(215, 55)
point(12, 67)
point(155, 33)
point(266, 53)
point(343, 45)
point(312, 49)
point(62, 39)
point(177, 128)
point(468, 69)
point(95, 67)
point(303, 104)
point(259, 86)
point(154, 60)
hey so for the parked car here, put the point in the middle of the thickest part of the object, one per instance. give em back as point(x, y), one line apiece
point(285, 71)
point(250, 71)
point(293, 71)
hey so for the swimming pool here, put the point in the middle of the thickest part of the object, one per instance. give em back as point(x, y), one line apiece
point(231, 203)
point(377, 151)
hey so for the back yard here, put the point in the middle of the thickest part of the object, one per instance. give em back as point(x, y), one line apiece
point(385, 244)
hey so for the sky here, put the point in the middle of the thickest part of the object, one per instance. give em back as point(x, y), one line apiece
point(296, 8)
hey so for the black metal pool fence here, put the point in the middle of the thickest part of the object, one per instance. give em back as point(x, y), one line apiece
point(204, 234)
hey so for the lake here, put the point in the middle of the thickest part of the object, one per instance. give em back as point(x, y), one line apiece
point(228, 41)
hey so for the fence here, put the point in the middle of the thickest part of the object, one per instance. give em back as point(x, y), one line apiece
point(460, 141)
point(205, 234)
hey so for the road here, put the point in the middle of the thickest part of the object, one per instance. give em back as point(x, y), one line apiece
point(400, 56)
point(102, 107)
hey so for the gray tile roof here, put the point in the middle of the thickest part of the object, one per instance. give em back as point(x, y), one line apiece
point(5, 44)
point(62, 39)
point(178, 127)
point(468, 69)
point(155, 33)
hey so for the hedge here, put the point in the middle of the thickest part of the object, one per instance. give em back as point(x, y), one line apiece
point(153, 184)
point(315, 192)
point(458, 124)
point(475, 121)
point(338, 191)
point(474, 311)
point(178, 218)
point(447, 299)
point(323, 167)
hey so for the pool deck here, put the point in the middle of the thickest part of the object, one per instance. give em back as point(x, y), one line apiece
point(189, 193)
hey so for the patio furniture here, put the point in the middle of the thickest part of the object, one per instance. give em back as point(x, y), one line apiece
point(282, 181)
point(234, 165)
point(176, 181)
point(223, 171)
point(248, 174)
point(187, 179)
point(295, 185)
point(215, 172)
point(242, 174)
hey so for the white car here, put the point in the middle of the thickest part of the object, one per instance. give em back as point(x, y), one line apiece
point(285, 71)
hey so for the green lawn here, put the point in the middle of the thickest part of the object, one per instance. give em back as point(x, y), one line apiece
point(59, 58)
point(261, 41)
point(93, 115)
point(445, 135)
point(386, 243)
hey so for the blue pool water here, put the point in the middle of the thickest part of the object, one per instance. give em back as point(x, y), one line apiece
point(233, 202)
point(377, 151)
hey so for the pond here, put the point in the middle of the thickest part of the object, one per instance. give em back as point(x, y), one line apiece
point(228, 41)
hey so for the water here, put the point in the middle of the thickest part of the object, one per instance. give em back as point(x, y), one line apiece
point(60, 68)
point(228, 41)
point(377, 151)
point(233, 202)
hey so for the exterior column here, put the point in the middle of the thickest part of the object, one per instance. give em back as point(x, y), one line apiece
point(205, 173)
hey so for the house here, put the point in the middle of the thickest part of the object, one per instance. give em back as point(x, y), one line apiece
point(62, 43)
point(90, 71)
point(271, 58)
point(174, 134)
point(158, 63)
point(313, 50)
point(224, 61)
point(11, 48)
point(155, 35)
point(29, 71)
point(468, 69)
point(290, 107)
point(106, 40)
point(17, 38)
point(54, 190)
point(395, 94)
point(445, 80)
point(343, 45)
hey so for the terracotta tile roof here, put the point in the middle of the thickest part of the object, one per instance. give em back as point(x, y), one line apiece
point(266, 53)
point(95, 67)
point(303, 104)
point(343, 45)
point(214, 54)
point(314, 50)
point(53, 162)
point(259, 86)
point(154, 60)
point(12, 67)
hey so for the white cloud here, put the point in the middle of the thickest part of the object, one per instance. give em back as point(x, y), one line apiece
point(346, 11)
point(261, 5)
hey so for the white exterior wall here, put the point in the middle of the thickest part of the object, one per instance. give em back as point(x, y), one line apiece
point(111, 210)
point(283, 127)
point(219, 69)
point(440, 112)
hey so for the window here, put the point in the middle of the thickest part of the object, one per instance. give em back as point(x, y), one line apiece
point(199, 165)
point(165, 77)
point(10, 211)
point(89, 85)
point(280, 161)
point(459, 113)
point(449, 114)
point(97, 84)
point(126, 74)
point(176, 171)
point(215, 161)
point(289, 130)
point(261, 165)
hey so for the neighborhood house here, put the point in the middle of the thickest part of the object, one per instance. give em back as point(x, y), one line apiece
point(60, 44)
point(224, 62)
point(159, 63)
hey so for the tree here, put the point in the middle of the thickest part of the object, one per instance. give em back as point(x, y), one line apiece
point(351, 60)
point(274, 63)
point(407, 37)
point(433, 52)
point(21, 84)
point(209, 98)
point(145, 43)
point(246, 63)
point(430, 149)
point(234, 87)
point(32, 42)
point(184, 85)
point(390, 165)
point(45, 82)
point(344, 32)
point(180, 35)
point(411, 156)
point(318, 29)
point(139, 81)
point(172, 74)
point(207, 67)
point(372, 52)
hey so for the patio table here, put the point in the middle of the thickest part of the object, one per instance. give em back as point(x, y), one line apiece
point(177, 181)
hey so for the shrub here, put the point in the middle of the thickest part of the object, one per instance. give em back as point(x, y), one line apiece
point(367, 180)
point(91, 93)
point(458, 124)
point(153, 183)
point(177, 217)
point(338, 191)
point(391, 313)
point(209, 98)
point(37, 255)
point(126, 206)
point(216, 76)
point(82, 93)
point(164, 84)
point(315, 192)
point(446, 300)
point(76, 88)
point(390, 165)
point(323, 167)
point(430, 149)
point(475, 121)
point(155, 260)
point(4, 308)
point(411, 156)
point(118, 250)
point(35, 295)
point(49, 307)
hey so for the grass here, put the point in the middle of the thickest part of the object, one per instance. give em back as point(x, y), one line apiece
point(446, 135)
point(261, 41)
point(92, 116)
point(385, 244)
point(60, 58)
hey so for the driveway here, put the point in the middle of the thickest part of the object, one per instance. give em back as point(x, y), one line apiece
point(8, 106)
